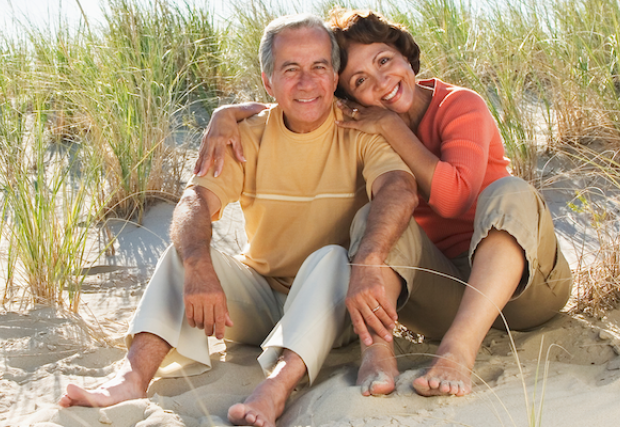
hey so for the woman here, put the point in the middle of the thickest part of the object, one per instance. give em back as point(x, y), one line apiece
point(477, 223)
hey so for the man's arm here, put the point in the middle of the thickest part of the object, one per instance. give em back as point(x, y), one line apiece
point(204, 298)
point(394, 200)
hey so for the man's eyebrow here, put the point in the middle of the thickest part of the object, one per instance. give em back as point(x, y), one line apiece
point(286, 64)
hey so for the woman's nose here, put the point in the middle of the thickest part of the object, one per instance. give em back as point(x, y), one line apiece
point(381, 82)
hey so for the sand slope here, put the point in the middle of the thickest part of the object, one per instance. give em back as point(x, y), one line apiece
point(44, 350)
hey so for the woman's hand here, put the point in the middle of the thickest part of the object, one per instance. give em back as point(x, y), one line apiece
point(367, 119)
point(223, 130)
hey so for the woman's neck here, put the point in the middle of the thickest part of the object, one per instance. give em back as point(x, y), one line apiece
point(421, 101)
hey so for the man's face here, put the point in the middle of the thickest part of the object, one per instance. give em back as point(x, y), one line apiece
point(303, 80)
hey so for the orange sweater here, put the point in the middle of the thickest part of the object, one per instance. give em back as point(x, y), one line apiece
point(459, 129)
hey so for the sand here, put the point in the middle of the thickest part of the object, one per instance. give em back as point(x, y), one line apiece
point(566, 373)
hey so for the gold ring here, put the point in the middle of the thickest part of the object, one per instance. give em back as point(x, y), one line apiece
point(374, 310)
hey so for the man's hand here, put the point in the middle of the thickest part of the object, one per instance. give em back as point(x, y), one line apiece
point(205, 301)
point(204, 298)
point(368, 304)
point(374, 287)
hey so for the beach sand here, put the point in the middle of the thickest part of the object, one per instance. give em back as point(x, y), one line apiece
point(566, 372)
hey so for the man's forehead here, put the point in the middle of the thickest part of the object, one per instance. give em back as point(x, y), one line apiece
point(289, 36)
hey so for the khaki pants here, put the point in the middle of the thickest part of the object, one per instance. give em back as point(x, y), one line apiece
point(429, 302)
point(309, 321)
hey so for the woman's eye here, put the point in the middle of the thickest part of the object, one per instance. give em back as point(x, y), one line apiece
point(383, 60)
point(359, 81)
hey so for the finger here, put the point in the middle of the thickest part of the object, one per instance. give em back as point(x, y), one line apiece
point(342, 104)
point(229, 321)
point(385, 319)
point(219, 166)
point(354, 105)
point(189, 314)
point(206, 164)
point(201, 153)
point(200, 162)
point(359, 326)
point(388, 308)
point(349, 124)
point(220, 321)
point(198, 165)
point(199, 316)
point(203, 163)
point(238, 149)
point(373, 322)
point(209, 320)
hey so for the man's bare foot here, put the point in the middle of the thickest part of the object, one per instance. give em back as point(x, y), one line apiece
point(262, 408)
point(117, 390)
point(378, 370)
point(450, 374)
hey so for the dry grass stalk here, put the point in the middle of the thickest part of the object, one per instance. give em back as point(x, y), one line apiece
point(598, 285)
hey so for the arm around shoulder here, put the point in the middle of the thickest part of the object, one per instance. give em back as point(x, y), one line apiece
point(223, 130)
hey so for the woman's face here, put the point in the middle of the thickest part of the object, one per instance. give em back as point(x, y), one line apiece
point(379, 75)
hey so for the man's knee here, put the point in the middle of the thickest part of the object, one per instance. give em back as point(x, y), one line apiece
point(332, 260)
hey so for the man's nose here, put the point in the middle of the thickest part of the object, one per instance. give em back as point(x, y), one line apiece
point(306, 80)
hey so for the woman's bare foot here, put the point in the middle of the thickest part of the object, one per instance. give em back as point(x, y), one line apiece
point(378, 370)
point(449, 374)
point(120, 388)
point(262, 408)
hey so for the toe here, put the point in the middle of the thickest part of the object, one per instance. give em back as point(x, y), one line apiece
point(434, 384)
point(421, 386)
point(445, 387)
point(65, 401)
point(366, 387)
point(252, 418)
point(454, 387)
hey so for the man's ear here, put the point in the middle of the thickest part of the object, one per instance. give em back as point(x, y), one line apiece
point(267, 84)
point(336, 77)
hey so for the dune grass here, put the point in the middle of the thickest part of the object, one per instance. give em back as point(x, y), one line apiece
point(118, 91)
point(48, 211)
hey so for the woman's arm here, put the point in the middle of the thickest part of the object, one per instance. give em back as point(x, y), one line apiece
point(467, 137)
point(396, 132)
point(223, 129)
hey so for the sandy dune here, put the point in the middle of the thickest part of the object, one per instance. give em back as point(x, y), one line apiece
point(570, 368)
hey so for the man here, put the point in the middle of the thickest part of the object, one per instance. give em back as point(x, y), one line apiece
point(302, 183)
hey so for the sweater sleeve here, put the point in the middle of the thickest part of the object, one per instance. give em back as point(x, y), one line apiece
point(465, 128)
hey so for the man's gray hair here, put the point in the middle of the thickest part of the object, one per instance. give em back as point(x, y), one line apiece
point(275, 27)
